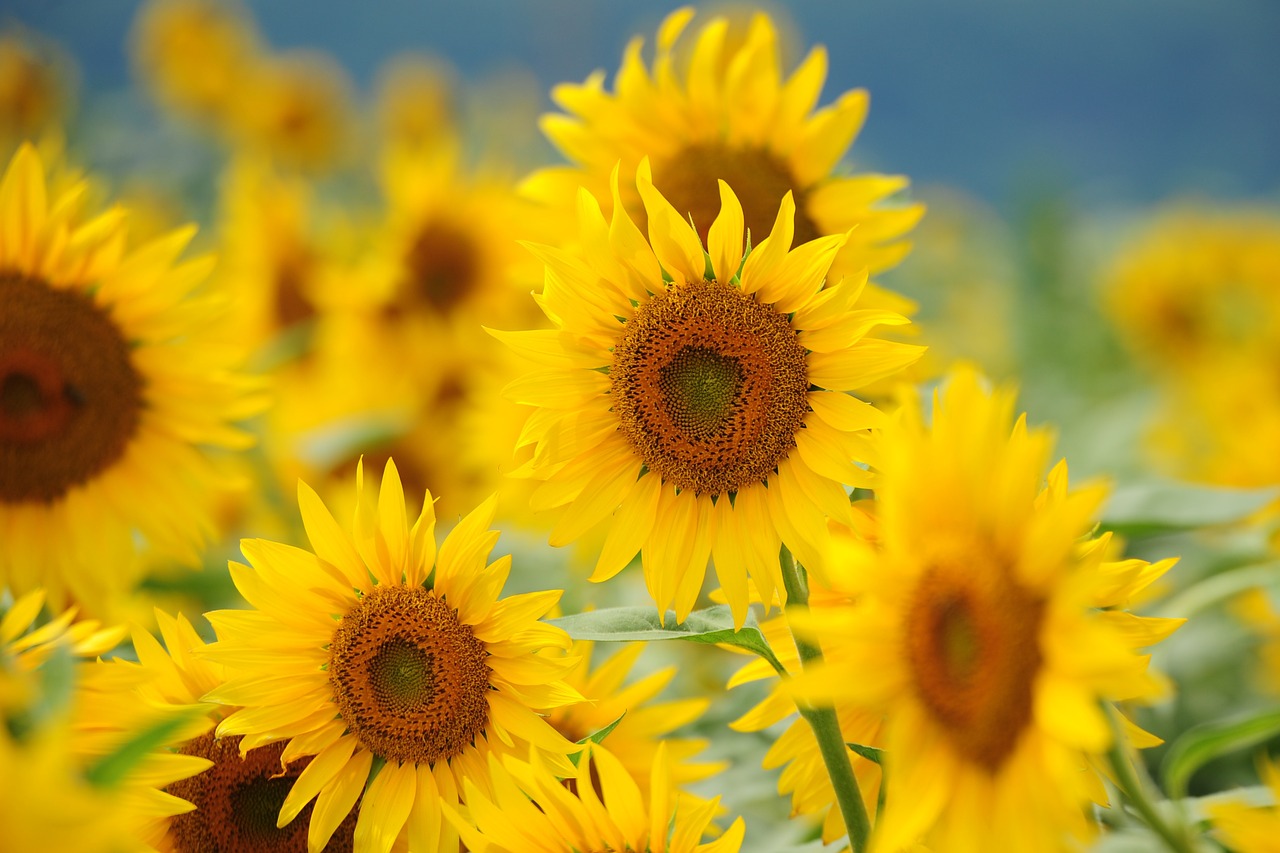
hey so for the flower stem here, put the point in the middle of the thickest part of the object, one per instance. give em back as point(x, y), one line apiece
point(826, 728)
point(1133, 790)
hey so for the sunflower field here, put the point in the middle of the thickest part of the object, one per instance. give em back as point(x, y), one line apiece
point(627, 459)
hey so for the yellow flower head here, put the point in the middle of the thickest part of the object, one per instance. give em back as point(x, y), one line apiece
point(33, 86)
point(729, 116)
point(233, 801)
point(111, 380)
point(1197, 299)
point(192, 54)
point(696, 399)
point(109, 706)
point(296, 109)
point(600, 807)
point(986, 630)
point(1249, 829)
point(362, 652)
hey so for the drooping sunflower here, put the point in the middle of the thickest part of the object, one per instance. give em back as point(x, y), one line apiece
point(699, 397)
point(988, 631)
point(352, 657)
point(730, 116)
point(112, 380)
point(599, 807)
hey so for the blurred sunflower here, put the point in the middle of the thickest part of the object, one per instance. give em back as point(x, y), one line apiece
point(46, 803)
point(698, 402)
point(269, 249)
point(642, 723)
point(730, 116)
point(104, 712)
point(1250, 829)
point(986, 630)
point(111, 380)
point(351, 657)
point(295, 108)
point(599, 807)
point(34, 87)
point(1195, 297)
point(192, 54)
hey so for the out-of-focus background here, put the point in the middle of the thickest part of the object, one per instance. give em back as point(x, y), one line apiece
point(1124, 102)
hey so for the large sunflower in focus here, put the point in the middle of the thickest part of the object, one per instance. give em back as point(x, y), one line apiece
point(988, 631)
point(399, 668)
point(111, 380)
point(699, 398)
point(729, 115)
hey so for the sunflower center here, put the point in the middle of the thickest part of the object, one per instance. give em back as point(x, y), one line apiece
point(709, 387)
point(409, 679)
point(758, 178)
point(442, 267)
point(699, 386)
point(70, 398)
point(237, 802)
point(973, 649)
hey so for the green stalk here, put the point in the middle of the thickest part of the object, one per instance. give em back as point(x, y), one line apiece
point(823, 721)
point(1133, 790)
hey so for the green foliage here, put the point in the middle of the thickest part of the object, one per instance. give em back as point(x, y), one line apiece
point(1201, 744)
point(714, 625)
point(1143, 508)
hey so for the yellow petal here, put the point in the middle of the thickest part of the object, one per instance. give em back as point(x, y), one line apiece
point(386, 807)
point(724, 240)
point(336, 801)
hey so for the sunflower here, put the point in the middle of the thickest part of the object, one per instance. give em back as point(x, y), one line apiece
point(270, 253)
point(389, 682)
point(699, 399)
point(96, 724)
point(1250, 829)
point(600, 807)
point(987, 630)
point(111, 381)
point(192, 54)
point(731, 117)
point(34, 86)
point(642, 724)
point(295, 108)
point(231, 804)
point(46, 803)
point(1195, 299)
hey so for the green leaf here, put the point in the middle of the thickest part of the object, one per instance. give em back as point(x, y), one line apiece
point(713, 625)
point(1146, 508)
point(112, 768)
point(1215, 589)
point(599, 736)
point(1201, 744)
point(596, 737)
point(868, 752)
